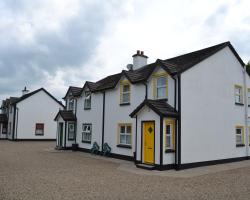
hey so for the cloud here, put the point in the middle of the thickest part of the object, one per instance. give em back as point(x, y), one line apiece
point(44, 37)
point(57, 43)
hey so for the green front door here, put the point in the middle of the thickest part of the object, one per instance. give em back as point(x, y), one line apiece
point(60, 134)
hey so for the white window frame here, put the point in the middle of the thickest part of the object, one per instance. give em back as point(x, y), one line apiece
point(125, 93)
point(39, 132)
point(169, 137)
point(71, 131)
point(86, 133)
point(241, 135)
point(161, 87)
point(238, 94)
point(87, 100)
point(125, 134)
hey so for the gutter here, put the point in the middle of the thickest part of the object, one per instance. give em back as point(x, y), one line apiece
point(17, 120)
point(246, 111)
point(14, 122)
point(146, 89)
point(103, 118)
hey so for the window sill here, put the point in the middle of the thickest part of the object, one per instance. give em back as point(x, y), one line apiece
point(87, 108)
point(124, 146)
point(240, 145)
point(239, 104)
point(84, 141)
point(69, 139)
point(166, 99)
point(39, 134)
point(124, 104)
point(169, 151)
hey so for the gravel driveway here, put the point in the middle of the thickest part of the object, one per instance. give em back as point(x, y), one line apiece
point(33, 170)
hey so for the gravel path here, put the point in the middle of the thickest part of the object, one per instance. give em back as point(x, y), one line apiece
point(34, 171)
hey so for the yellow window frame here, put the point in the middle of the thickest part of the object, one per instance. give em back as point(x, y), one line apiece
point(170, 122)
point(118, 133)
point(243, 133)
point(154, 78)
point(122, 84)
point(236, 86)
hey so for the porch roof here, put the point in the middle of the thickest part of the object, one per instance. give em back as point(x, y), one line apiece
point(3, 118)
point(67, 115)
point(160, 106)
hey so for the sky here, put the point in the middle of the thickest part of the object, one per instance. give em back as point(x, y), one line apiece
point(58, 43)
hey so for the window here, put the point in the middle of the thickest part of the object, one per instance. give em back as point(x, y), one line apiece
point(169, 135)
point(71, 104)
point(125, 134)
point(71, 131)
point(239, 136)
point(125, 94)
point(39, 129)
point(86, 133)
point(87, 100)
point(238, 94)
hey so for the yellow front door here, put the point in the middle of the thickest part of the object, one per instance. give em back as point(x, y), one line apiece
point(148, 135)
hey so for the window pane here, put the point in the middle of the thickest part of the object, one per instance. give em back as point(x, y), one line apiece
point(161, 81)
point(122, 129)
point(128, 139)
point(122, 139)
point(125, 97)
point(161, 92)
point(128, 129)
point(126, 88)
point(238, 131)
point(168, 141)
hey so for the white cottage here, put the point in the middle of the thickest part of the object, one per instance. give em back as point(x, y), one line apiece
point(186, 111)
point(30, 117)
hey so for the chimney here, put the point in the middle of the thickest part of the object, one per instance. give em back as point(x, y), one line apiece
point(139, 59)
point(25, 91)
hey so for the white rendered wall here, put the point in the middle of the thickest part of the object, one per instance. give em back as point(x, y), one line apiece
point(146, 114)
point(92, 116)
point(208, 111)
point(115, 114)
point(38, 108)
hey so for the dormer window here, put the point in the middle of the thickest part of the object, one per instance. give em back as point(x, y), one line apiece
point(71, 104)
point(87, 100)
point(125, 94)
point(161, 87)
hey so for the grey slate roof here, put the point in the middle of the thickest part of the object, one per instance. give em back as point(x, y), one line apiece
point(173, 66)
point(76, 91)
point(160, 106)
point(67, 115)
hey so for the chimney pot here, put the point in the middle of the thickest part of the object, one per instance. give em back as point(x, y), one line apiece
point(138, 52)
point(142, 52)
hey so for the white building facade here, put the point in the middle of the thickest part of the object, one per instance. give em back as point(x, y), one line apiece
point(30, 117)
point(186, 111)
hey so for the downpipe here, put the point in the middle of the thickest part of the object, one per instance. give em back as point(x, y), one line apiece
point(246, 111)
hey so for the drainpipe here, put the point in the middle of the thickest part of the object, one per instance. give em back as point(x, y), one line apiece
point(146, 90)
point(246, 111)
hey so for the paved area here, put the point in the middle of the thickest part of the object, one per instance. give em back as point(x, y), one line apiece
point(34, 171)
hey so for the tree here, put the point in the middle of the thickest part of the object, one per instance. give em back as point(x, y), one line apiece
point(248, 68)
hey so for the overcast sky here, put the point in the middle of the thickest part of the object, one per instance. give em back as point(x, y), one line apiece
point(57, 43)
